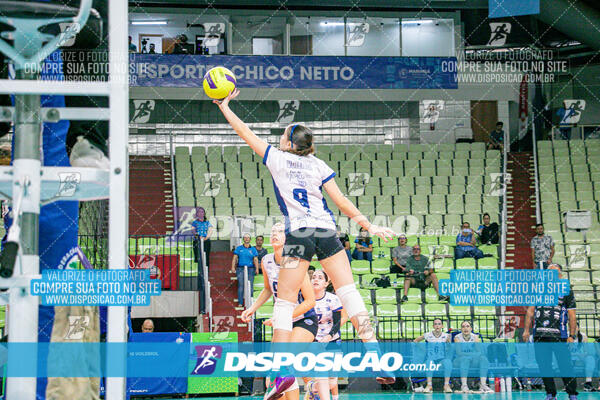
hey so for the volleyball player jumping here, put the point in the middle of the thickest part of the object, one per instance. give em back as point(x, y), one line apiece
point(298, 179)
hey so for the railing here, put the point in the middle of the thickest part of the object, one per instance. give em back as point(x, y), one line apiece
point(171, 257)
point(173, 185)
point(489, 327)
point(538, 213)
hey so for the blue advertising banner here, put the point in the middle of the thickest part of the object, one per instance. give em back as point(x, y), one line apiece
point(511, 8)
point(297, 72)
point(157, 365)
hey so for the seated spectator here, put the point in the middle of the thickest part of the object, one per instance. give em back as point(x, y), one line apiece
point(488, 232)
point(364, 246)
point(345, 241)
point(419, 273)
point(497, 138)
point(148, 326)
point(465, 244)
point(400, 254)
point(470, 355)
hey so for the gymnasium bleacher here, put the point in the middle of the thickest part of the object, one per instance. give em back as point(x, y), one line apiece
point(440, 186)
point(569, 179)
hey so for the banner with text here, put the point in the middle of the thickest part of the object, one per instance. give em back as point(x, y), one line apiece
point(297, 72)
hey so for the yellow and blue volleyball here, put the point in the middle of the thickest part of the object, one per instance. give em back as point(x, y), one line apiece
point(218, 83)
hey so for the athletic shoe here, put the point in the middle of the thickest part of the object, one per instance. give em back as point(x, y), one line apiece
point(447, 389)
point(485, 389)
point(587, 387)
point(428, 389)
point(464, 389)
point(404, 298)
point(572, 397)
point(277, 386)
point(85, 154)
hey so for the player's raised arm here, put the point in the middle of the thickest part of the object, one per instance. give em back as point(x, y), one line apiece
point(257, 144)
point(264, 295)
point(354, 213)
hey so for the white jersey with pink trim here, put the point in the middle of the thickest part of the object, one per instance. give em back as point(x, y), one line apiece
point(324, 308)
point(298, 183)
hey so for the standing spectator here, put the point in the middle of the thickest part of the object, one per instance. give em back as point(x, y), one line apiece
point(260, 240)
point(244, 256)
point(148, 326)
point(465, 244)
point(497, 138)
point(132, 47)
point(202, 231)
point(419, 273)
point(345, 241)
point(364, 246)
point(542, 247)
point(550, 326)
point(400, 255)
point(152, 49)
point(488, 232)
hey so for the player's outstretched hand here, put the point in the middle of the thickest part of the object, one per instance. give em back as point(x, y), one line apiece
point(225, 102)
point(246, 315)
point(382, 232)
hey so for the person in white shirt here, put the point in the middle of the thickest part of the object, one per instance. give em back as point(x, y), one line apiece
point(436, 352)
point(332, 317)
point(469, 354)
point(299, 178)
point(305, 319)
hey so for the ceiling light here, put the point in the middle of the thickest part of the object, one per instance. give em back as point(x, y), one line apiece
point(148, 22)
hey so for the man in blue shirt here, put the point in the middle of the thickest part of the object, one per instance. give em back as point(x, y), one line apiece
point(202, 231)
point(244, 256)
point(465, 244)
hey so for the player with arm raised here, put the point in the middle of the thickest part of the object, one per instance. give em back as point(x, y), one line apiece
point(299, 178)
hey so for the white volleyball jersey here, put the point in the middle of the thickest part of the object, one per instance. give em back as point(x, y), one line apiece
point(460, 338)
point(298, 182)
point(271, 268)
point(436, 348)
point(325, 307)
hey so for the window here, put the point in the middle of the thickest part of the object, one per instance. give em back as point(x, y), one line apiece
point(373, 37)
point(427, 38)
point(263, 35)
point(319, 36)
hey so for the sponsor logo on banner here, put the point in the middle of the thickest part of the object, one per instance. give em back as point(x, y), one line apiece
point(206, 363)
point(69, 260)
point(508, 326)
point(287, 111)
point(146, 261)
point(77, 326)
point(142, 111)
point(68, 31)
point(499, 33)
point(213, 32)
point(356, 33)
point(573, 110)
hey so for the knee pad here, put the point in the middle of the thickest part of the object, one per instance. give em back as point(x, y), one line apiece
point(282, 314)
point(351, 300)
